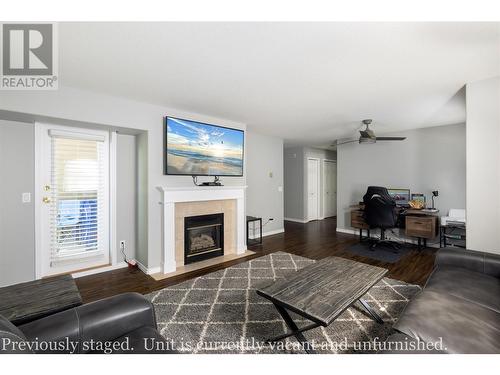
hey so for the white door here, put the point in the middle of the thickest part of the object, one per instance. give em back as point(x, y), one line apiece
point(330, 188)
point(312, 189)
point(72, 199)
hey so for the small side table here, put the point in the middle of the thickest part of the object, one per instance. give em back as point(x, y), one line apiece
point(25, 302)
point(253, 219)
point(452, 234)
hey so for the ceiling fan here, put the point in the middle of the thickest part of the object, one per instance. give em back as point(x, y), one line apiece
point(368, 136)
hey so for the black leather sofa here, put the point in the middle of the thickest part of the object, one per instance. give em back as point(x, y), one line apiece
point(460, 304)
point(125, 324)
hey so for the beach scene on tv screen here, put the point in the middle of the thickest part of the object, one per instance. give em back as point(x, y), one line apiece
point(194, 148)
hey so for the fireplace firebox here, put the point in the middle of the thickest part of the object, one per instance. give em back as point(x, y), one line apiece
point(203, 237)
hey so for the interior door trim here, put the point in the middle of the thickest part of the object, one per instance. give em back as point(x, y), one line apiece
point(324, 187)
point(318, 189)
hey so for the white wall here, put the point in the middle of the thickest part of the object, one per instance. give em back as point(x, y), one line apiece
point(17, 219)
point(126, 195)
point(68, 104)
point(295, 167)
point(264, 198)
point(142, 199)
point(293, 161)
point(17, 225)
point(429, 159)
point(483, 165)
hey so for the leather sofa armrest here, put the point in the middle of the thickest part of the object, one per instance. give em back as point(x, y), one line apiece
point(476, 261)
point(10, 338)
point(113, 317)
point(100, 321)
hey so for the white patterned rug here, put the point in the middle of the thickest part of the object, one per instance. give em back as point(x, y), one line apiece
point(221, 312)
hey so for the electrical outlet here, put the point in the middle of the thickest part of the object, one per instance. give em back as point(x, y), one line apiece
point(122, 245)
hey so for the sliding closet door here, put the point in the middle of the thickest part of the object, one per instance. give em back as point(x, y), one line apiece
point(73, 199)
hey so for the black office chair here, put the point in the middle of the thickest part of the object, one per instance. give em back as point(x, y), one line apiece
point(380, 212)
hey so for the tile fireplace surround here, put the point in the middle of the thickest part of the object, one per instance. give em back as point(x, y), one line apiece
point(181, 202)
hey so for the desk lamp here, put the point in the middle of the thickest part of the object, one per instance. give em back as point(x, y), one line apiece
point(435, 193)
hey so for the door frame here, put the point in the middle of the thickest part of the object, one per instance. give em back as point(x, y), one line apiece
point(324, 187)
point(318, 189)
point(40, 127)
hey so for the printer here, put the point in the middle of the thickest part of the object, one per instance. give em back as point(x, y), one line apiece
point(455, 216)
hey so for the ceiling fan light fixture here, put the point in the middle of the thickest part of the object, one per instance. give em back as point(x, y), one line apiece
point(367, 136)
point(367, 140)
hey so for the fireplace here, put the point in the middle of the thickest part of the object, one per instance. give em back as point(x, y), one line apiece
point(203, 237)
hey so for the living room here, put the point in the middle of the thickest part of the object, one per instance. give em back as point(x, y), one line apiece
point(250, 188)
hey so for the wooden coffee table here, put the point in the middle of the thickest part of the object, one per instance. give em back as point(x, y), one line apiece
point(320, 292)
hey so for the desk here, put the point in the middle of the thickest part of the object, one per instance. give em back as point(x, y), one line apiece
point(417, 223)
point(358, 221)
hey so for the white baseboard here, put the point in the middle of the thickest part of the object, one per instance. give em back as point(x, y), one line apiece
point(348, 231)
point(268, 233)
point(94, 271)
point(148, 271)
point(403, 239)
point(122, 264)
point(302, 221)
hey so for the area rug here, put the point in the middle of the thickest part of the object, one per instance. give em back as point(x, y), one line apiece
point(221, 312)
point(381, 252)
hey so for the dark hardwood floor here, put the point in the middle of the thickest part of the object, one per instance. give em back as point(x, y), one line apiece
point(315, 240)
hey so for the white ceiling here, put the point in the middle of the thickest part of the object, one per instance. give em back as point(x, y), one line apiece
point(309, 83)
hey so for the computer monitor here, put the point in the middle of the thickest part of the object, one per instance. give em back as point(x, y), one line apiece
point(401, 196)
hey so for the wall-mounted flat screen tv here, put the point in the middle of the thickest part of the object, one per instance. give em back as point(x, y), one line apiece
point(196, 149)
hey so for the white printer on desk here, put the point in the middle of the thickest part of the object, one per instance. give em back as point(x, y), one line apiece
point(455, 216)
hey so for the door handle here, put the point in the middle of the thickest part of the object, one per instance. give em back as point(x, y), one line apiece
point(46, 200)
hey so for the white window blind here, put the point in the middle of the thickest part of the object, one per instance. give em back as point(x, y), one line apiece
point(78, 217)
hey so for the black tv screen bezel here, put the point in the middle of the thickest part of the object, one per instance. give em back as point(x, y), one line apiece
point(165, 148)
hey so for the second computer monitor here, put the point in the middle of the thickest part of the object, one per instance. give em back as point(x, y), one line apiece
point(401, 196)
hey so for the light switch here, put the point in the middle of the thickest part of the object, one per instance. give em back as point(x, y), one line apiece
point(26, 197)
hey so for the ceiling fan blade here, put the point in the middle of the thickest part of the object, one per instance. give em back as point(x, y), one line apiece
point(343, 143)
point(391, 138)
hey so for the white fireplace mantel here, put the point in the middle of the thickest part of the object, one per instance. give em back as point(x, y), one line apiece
point(173, 195)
